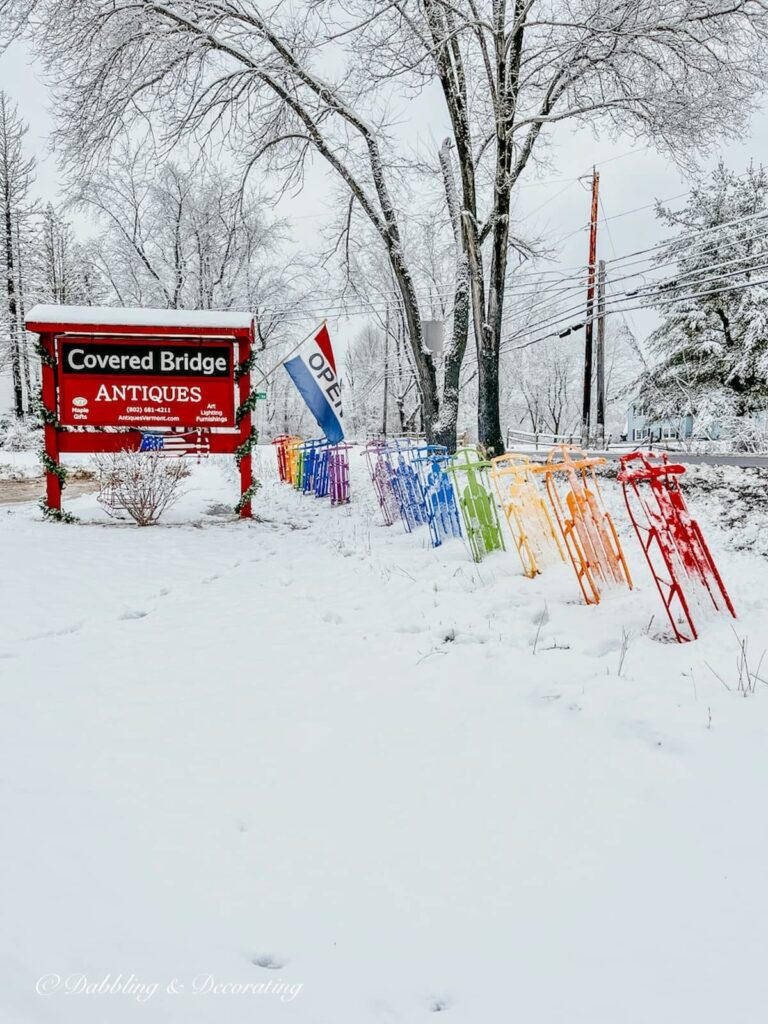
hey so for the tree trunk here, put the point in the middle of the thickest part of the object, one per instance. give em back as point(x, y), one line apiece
point(488, 416)
point(489, 344)
point(426, 376)
point(449, 410)
point(454, 357)
point(22, 333)
point(13, 329)
point(503, 65)
point(386, 375)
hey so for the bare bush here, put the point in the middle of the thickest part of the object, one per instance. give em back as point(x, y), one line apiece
point(747, 676)
point(626, 640)
point(143, 484)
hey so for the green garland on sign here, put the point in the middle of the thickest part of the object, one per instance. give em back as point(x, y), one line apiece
point(247, 497)
point(246, 366)
point(247, 446)
point(49, 417)
point(51, 466)
point(244, 450)
point(247, 406)
point(45, 414)
point(43, 354)
point(55, 515)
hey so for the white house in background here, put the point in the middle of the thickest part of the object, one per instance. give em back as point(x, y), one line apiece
point(642, 427)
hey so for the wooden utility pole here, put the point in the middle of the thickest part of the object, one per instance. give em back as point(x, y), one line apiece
point(586, 412)
point(601, 350)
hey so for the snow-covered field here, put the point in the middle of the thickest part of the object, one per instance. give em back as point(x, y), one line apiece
point(307, 769)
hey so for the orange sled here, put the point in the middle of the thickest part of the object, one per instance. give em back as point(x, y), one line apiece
point(587, 530)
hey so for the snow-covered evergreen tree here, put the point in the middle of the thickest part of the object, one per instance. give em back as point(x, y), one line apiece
point(712, 343)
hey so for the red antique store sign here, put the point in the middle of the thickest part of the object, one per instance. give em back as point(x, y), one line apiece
point(145, 382)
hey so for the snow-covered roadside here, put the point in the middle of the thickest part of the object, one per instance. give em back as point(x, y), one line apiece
point(402, 781)
point(729, 499)
point(24, 465)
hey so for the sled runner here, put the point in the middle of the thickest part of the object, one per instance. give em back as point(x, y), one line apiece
point(672, 541)
point(294, 460)
point(406, 483)
point(312, 455)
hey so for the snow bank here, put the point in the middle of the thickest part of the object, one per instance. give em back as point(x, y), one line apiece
point(19, 465)
point(314, 751)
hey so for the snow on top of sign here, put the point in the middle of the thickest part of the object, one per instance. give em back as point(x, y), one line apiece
point(115, 316)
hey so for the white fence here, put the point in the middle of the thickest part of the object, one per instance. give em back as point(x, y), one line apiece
point(545, 440)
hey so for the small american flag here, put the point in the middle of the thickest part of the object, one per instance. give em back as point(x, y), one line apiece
point(152, 443)
point(196, 443)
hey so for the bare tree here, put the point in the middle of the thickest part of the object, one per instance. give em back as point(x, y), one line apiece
point(176, 236)
point(16, 175)
point(61, 270)
point(14, 19)
point(366, 382)
point(244, 72)
point(380, 368)
point(546, 378)
point(673, 72)
point(24, 346)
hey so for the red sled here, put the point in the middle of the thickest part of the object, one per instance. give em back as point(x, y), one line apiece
point(671, 539)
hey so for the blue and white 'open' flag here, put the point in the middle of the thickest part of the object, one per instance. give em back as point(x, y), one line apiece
point(313, 371)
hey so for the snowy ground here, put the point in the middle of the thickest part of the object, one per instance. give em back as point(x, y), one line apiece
point(313, 756)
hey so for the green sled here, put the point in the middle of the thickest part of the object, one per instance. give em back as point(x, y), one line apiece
point(478, 508)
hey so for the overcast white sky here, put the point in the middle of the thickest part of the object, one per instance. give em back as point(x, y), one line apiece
point(554, 205)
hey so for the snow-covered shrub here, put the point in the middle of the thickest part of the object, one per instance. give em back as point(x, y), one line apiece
point(143, 484)
point(751, 435)
point(19, 435)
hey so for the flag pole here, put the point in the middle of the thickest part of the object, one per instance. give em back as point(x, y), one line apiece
point(268, 374)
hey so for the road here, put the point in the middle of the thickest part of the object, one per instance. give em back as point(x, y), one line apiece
point(693, 458)
point(687, 458)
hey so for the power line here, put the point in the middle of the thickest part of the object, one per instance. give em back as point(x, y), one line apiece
point(547, 293)
point(563, 315)
point(695, 234)
point(639, 209)
point(629, 321)
point(529, 283)
point(730, 289)
point(719, 243)
point(673, 282)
